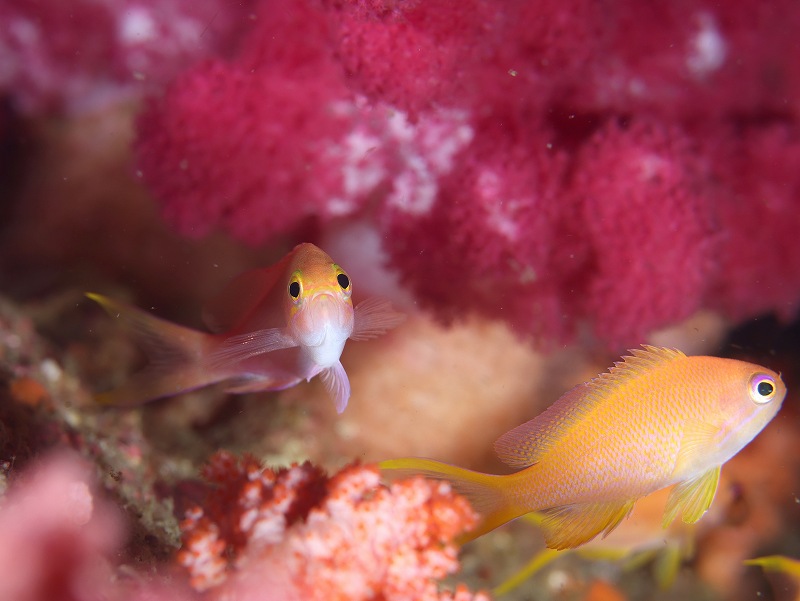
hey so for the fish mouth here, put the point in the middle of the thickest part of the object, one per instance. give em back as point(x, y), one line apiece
point(324, 317)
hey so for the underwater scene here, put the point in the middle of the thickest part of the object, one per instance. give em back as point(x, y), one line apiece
point(399, 300)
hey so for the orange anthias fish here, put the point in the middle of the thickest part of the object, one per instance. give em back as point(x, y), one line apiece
point(655, 419)
point(271, 328)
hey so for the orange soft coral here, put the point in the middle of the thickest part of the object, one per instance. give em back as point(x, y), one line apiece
point(296, 534)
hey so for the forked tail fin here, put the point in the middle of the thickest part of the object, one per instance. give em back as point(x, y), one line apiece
point(175, 353)
point(487, 493)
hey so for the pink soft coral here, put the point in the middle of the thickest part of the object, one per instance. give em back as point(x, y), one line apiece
point(275, 136)
point(57, 535)
point(261, 128)
point(554, 166)
point(57, 56)
point(688, 58)
point(415, 55)
point(648, 217)
point(760, 219)
point(495, 236)
point(295, 534)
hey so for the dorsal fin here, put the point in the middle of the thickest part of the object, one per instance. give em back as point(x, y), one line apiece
point(526, 444)
point(241, 296)
point(632, 366)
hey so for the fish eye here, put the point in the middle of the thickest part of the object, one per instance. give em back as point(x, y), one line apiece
point(343, 280)
point(762, 388)
point(294, 289)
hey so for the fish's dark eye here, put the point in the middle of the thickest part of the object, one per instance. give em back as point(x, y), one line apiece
point(762, 388)
point(343, 280)
point(765, 388)
point(294, 289)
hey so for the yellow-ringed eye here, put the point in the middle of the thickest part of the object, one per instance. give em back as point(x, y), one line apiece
point(295, 288)
point(762, 388)
point(342, 278)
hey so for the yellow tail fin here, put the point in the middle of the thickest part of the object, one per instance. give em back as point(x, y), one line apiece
point(485, 492)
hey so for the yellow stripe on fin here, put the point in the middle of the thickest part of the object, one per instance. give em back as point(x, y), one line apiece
point(668, 564)
point(776, 563)
point(539, 561)
point(573, 525)
point(692, 498)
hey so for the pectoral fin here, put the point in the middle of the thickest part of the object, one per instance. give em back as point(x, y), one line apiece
point(337, 384)
point(698, 437)
point(570, 526)
point(236, 349)
point(373, 317)
point(692, 498)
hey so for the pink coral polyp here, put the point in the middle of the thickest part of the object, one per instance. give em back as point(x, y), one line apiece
point(649, 217)
point(224, 142)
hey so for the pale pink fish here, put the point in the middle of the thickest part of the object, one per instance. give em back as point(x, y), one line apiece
point(271, 329)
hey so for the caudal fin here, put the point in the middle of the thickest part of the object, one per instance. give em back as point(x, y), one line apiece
point(175, 353)
point(485, 492)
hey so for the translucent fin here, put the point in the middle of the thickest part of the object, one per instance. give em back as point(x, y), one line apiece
point(692, 498)
point(698, 439)
point(485, 492)
point(570, 526)
point(374, 317)
point(232, 351)
point(242, 295)
point(639, 363)
point(337, 384)
point(526, 444)
point(540, 560)
point(175, 354)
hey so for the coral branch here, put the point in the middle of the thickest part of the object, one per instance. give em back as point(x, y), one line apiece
point(302, 535)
